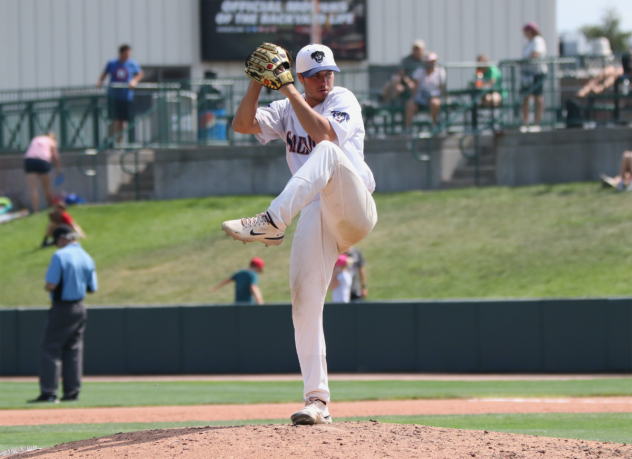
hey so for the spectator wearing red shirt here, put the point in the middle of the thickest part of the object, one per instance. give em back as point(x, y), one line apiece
point(58, 217)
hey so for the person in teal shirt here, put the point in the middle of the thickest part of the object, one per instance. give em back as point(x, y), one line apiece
point(246, 283)
point(489, 77)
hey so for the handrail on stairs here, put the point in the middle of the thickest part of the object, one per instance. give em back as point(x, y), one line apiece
point(110, 142)
point(135, 148)
point(428, 136)
point(92, 152)
point(474, 131)
point(135, 172)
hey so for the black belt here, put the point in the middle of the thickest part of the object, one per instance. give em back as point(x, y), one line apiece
point(66, 303)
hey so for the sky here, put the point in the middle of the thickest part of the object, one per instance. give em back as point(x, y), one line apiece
point(572, 14)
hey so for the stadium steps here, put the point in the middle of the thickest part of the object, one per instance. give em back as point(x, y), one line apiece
point(464, 175)
point(127, 191)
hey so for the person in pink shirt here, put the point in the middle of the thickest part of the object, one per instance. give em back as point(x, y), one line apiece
point(37, 164)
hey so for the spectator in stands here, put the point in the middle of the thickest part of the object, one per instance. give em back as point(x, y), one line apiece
point(246, 283)
point(124, 72)
point(604, 80)
point(359, 290)
point(37, 164)
point(70, 276)
point(533, 75)
point(489, 77)
point(608, 77)
point(623, 181)
point(415, 59)
point(58, 217)
point(430, 85)
point(399, 89)
point(341, 280)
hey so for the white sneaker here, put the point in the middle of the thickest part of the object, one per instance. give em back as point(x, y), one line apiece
point(260, 228)
point(314, 412)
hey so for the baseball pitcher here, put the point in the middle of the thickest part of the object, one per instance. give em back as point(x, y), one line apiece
point(331, 187)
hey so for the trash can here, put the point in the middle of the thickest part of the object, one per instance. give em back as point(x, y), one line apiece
point(213, 125)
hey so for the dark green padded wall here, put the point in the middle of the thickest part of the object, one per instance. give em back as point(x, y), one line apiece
point(567, 335)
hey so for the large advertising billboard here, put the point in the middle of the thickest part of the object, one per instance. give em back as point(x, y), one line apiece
point(231, 29)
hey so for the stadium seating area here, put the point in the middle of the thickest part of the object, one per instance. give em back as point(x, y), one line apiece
point(199, 111)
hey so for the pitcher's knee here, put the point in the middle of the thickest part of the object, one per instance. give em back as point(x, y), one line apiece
point(350, 234)
point(355, 226)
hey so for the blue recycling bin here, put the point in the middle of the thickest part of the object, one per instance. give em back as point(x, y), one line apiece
point(213, 125)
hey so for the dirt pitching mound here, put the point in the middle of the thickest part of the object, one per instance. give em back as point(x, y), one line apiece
point(340, 440)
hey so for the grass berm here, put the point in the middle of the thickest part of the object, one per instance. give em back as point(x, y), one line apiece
point(572, 240)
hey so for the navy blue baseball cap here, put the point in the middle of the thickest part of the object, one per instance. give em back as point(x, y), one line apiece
point(62, 231)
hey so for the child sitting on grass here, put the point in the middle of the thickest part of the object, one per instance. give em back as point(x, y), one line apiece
point(58, 217)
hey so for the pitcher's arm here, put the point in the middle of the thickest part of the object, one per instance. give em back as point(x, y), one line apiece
point(317, 126)
point(245, 121)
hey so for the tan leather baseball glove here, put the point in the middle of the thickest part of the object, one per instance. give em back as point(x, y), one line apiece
point(270, 65)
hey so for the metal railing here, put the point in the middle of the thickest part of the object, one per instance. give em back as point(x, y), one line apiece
point(170, 121)
point(164, 113)
point(195, 112)
point(560, 89)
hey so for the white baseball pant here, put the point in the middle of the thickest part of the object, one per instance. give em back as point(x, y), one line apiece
point(344, 215)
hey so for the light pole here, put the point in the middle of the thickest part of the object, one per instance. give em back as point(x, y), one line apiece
point(315, 22)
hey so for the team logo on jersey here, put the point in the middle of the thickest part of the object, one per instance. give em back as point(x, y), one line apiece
point(340, 116)
point(121, 74)
point(318, 56)
point(299, 144)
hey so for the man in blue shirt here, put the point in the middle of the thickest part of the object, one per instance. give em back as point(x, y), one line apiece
point(70, 275)
point(122, 71)
point(246, 283)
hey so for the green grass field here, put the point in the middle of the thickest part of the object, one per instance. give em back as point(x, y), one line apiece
point(14, 395)
point(542, 241)
point(613, 427)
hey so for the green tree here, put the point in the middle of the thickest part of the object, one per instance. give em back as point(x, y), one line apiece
point(610, 28)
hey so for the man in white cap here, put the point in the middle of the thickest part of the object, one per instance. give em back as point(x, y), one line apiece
point(430, 86)
point(331, 187)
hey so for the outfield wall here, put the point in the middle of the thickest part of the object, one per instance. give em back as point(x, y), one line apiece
point(561, 156)
point(528, 336)
point(228, 170)
point(109, 176)
point(258, 169)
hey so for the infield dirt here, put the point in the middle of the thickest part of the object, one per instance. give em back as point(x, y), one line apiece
point(340, 440)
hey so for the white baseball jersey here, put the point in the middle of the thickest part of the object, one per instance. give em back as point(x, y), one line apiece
point(341, 108)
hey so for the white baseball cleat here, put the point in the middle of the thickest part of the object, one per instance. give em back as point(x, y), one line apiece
point(314, 412)
point(260, 228)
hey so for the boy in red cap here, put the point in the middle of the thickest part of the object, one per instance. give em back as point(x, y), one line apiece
point(246, 283)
